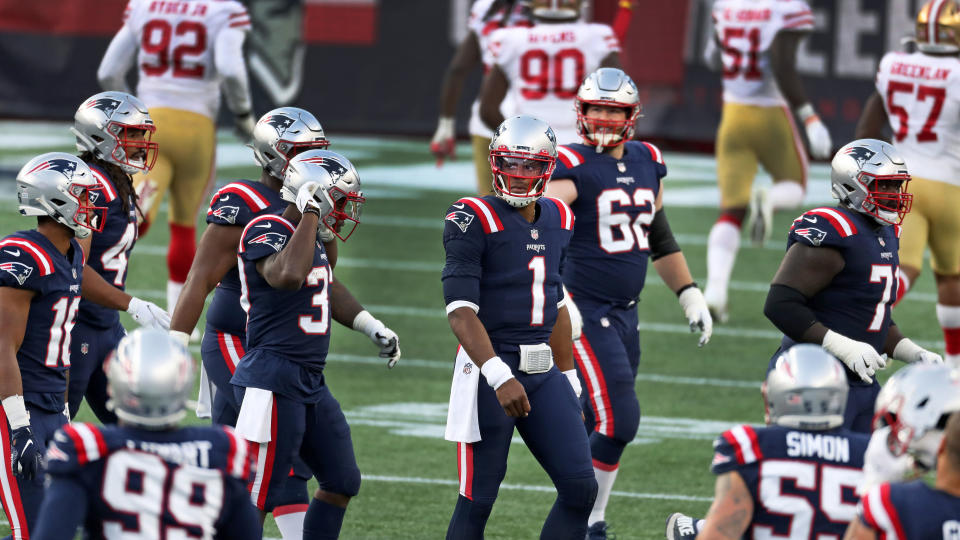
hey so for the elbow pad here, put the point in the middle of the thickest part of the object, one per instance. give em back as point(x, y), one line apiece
point(787, 309)
point(660, 237)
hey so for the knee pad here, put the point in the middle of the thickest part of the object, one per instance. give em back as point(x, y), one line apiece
point(344, 482)
point(627, 414)
point(577, 492)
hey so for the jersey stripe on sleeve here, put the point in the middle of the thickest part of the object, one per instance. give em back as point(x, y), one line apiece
point(488, 216)
point(238, 463)
point(249, 196)
point(88, 441)
point(840, 222)
point(654, 152)
point(107, 185)
point(569, 157)
point(744, 440)
point(39, 255)
point(258, 219)
point(880, 514)
point(566, 215)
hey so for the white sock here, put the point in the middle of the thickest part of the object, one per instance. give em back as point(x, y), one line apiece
point(786, 194)
point(290, 525)
point(605, 481)
point(173, 294)
point(722, 246)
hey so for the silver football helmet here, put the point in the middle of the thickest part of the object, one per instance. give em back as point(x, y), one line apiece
point(116, 127)
point(557, 10)
point(806, 390)
point(869, 176)
point(149, 379)
point(283, 133)
point(916, 403)
point(61, 186)
point(338, 190)
point(523, 154)
point(609, 87)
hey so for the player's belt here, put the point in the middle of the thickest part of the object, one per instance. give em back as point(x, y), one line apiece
point(535, 358)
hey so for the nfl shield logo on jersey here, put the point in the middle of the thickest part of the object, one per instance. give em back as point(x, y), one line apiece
point(814, 235)
point(535, 234)
point(19, 271)
point(467, 368)
point(227, 213)
point(272, 239)
point(460, 219)
point(84, 348)
point(621, 166)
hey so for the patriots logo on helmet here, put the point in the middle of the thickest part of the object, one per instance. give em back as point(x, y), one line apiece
point(105, 104)
point(860, 153)
point(18, 270)
point(332, 166)
point(460, 219)
point(279, 122)
point(227, 213)
point(92, 196)
point(272, 239)
point(64, 166)
point(815, 236)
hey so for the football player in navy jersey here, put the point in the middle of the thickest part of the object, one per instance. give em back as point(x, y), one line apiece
point(501, 284)
point(838, 280)
point(613, 185)
point(796, 477)
point(922, 425)
point(40, 273)
point(144, 477)
point(113, 131)
point(286, 407)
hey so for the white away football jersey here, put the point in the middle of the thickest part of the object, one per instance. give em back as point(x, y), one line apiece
point(545, 65)
point(921, 94)
point(176, 42)
point(745, 30)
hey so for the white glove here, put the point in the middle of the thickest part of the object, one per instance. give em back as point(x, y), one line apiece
point(306, 198)
point(697, 313)
point(576, 320)
point(148, 314)
point(182, 338)
point(880, 465)
point(820, 143)
point(243, 127)
point(574, 381)
point(909, 352)
point(381, 336)
point(857, 355)
point(442, 145)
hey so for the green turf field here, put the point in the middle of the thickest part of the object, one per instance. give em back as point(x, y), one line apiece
point(392, 264)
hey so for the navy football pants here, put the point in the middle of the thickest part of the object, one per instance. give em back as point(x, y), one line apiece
point(89, 347)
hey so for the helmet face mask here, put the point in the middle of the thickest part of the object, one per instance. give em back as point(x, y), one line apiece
point(337, 190)
point(116, 127)
point(938, 27)
point(607, 88)
point(282, 134)
point(870, 177)
point(134, 146)
point(523, 154)
point(62, 187)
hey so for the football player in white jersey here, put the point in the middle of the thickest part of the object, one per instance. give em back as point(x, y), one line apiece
point(542, 66)
point(757, 41)
point(185, 53)
point(918, 94)
point(485, 17)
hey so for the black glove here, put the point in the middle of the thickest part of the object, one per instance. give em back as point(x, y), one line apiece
point(26, 454)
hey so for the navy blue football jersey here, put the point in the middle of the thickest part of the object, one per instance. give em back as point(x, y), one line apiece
point(29, 261)
point(293, 324)
point(110, 248)
point(235, 205)
point(615, 204)
point(911, 510)
point(121, 482)
point(506, 268)
point(803, 483)
point(857, 302)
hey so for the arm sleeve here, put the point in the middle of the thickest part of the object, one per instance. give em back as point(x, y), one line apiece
point(228, 58)
point(118, 59)
point(661, 238)
point(264, 237)
point(64, 508)
point(463, 242)
point(787, 309)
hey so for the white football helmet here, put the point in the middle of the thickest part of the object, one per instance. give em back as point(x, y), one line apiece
point(857, 171)
point(338, 192)
point(609, 87)
point(283, 133)
point(806, 390)
point(149, 379)
point(916, 403)
point(116, 127)
point(523, 154)
point(556, 10)
point(61, 186)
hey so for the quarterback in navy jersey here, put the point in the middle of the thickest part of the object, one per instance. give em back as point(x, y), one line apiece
point(838, 280)
point(798, 476)
point(613, 185)
point(286, 407)
point(144, 477)
point(40, 274)
point(113, 131)
point(504, 297)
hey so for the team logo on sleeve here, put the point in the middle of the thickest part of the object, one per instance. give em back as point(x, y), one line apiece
point(815, 236)
point(227, 213)
point(272, 239)
point(18, 270)
point(461, 219)
point(54, 453)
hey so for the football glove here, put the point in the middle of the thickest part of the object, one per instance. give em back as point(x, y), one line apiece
point(574, 381)
point(819, 138)
point(148, 314)
point(442, 145)
point(880, 465)
point(306, 198)
point(380, 335)
point(243, 127)
point(576, 320)
point(182, 338)
point(860, 357)
point(909, 352)
point(697, 313)
point(26, 453)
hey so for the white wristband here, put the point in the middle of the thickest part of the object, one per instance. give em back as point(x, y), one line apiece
point(907, 351)
point(496, 372)
point(180, 337)
point(446, 124)
point(805, 111)
point(367, 324)
point(574, 381)
point(16, 412)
